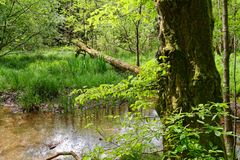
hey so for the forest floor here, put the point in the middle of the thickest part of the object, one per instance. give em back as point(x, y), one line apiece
point(43, 79)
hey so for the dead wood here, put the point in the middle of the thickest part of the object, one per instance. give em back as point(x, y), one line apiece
point(113, 61)
point(64, 154)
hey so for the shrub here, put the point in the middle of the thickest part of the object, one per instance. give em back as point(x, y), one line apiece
point(46, 88)
point(181, 140)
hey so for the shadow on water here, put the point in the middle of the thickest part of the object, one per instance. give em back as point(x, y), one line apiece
point(38, 136)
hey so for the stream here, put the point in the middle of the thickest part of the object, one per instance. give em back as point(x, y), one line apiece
point(32, 136)
point(37, 136)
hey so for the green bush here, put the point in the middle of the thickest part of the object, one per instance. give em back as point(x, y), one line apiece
point(47, 87)
point(181, 140)
point(29, 101)
point(39, 90)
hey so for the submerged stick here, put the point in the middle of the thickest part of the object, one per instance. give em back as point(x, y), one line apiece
point(64, 154)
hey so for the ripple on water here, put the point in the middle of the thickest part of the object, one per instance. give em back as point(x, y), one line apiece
point(28, 136)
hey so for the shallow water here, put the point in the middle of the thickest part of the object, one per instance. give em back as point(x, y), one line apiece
point(29, 136)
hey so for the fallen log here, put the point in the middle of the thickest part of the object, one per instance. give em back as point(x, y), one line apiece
point(64, 154)
point(113, 61)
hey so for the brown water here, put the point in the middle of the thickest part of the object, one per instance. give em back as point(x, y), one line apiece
point(28, 136)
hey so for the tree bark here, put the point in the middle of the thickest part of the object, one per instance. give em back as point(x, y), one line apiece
point(137, 26)
point(235, 81)
point(114, 62)
point(186, 30)
point(226, 90)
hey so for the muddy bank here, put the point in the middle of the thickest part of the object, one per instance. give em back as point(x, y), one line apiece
point(10, 101)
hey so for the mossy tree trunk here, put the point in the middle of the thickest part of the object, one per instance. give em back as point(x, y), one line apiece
point(186, 28)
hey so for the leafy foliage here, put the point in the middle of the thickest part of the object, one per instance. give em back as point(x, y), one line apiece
point(141, 89)
point(26, 24)
point(182, 132)
point(233, 17)
point(186, 140)
point(142, 137)
point(111, 25)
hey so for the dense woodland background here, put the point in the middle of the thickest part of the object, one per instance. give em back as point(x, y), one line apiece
point(41, 63)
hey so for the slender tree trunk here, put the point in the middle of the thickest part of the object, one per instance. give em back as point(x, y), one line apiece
point(235, 81)
point(220, 45)
point(137, 46)
point(137, 26)
point(186, 29)
point(235, 98)
point(226, 92)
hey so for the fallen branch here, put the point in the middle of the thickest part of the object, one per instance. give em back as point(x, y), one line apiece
point(64, 154)
point(114, 62)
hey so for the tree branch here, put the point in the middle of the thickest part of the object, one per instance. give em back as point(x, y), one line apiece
point(114, 62)
point(4, 54)
point(64, 154)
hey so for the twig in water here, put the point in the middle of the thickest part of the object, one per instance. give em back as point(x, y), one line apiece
point(64, 154)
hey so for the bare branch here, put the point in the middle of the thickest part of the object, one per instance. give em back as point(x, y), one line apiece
point(64, 154)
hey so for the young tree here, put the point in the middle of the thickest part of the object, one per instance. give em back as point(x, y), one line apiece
point(75, 14)
point(26, 23)
point(186, 29)
point(123, 24)
point(226, 83)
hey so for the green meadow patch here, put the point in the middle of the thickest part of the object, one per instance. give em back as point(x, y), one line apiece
point(50, 75)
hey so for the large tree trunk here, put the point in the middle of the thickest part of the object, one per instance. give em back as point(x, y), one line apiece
point(186, 40)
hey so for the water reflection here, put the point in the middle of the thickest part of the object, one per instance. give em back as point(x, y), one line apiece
point(30, 136)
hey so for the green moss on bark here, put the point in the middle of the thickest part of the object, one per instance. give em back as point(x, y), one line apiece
point(186, 40)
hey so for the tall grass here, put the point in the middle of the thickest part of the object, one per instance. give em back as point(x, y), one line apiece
point(48, 75)
point(131, 58)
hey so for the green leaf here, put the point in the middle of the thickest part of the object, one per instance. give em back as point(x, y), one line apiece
point(217, 133)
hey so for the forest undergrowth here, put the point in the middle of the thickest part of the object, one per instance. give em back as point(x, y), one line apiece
point(49, 75)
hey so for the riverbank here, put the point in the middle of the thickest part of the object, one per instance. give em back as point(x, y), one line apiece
point(43, 80)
